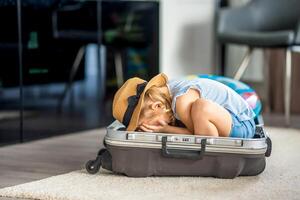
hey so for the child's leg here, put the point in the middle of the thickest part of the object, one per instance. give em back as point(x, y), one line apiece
point(210, 119)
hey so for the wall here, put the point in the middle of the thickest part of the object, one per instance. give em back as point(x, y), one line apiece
point(186, 37)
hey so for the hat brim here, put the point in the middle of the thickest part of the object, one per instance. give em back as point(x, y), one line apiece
point(158, 80)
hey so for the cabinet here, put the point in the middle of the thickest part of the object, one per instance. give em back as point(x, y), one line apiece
point(129, 32)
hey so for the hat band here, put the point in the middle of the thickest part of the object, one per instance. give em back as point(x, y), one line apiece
point(132, 102)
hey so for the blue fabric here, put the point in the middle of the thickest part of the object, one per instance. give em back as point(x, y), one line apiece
point(241, 129)
point(244, 90)
point(214, 91)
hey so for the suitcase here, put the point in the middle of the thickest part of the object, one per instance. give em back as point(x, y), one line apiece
point(142, 154)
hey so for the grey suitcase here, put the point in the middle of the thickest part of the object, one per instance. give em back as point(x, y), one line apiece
point(141, 154)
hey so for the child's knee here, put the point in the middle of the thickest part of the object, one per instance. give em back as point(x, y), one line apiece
point(200, 108)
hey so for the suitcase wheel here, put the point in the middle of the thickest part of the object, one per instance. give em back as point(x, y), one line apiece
point(93, 166)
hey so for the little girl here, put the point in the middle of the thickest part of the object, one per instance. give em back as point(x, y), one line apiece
point(204, 107)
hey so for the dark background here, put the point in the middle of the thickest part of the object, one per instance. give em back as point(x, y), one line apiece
point(48, 58)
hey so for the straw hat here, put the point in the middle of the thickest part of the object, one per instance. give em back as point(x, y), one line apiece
point(128, 100)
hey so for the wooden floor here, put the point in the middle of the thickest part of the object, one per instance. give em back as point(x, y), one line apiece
point(36, 160)
point(44, 158)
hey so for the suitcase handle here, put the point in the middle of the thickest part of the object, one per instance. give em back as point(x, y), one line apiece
point(195, 155)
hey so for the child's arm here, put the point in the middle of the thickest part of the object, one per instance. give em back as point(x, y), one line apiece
point(164, 128)
point(184, 107)
point(177, 130)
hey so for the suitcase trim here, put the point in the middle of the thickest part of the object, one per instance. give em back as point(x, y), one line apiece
point(209, 149)
point(122, 138)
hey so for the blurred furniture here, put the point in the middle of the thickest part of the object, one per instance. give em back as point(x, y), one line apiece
point(263, 24)
point(51, 44)
point(115, 24)
point(131, 28)
point(275, 68)
point(65, 27)
point(45, 60)
point(28, 57)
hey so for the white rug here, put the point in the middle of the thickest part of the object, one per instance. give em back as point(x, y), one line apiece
point(280, 180)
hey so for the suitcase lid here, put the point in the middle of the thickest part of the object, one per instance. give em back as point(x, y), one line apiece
point(118, 136)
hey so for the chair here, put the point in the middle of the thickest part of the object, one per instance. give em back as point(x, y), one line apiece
point(263, 24)
point(81, 21)
point(65, 17)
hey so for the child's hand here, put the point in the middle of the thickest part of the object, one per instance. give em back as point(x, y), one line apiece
point(161, 127)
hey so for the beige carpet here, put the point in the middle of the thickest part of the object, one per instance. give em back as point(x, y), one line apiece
point(280, 180)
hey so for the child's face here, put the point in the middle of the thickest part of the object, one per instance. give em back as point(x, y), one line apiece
point(153, 115)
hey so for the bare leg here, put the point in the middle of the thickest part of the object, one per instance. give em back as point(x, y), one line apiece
point(210, 119)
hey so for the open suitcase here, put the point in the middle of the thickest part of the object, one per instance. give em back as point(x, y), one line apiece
point(141, 154)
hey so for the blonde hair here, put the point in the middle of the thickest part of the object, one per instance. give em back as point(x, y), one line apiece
point(154, 94)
